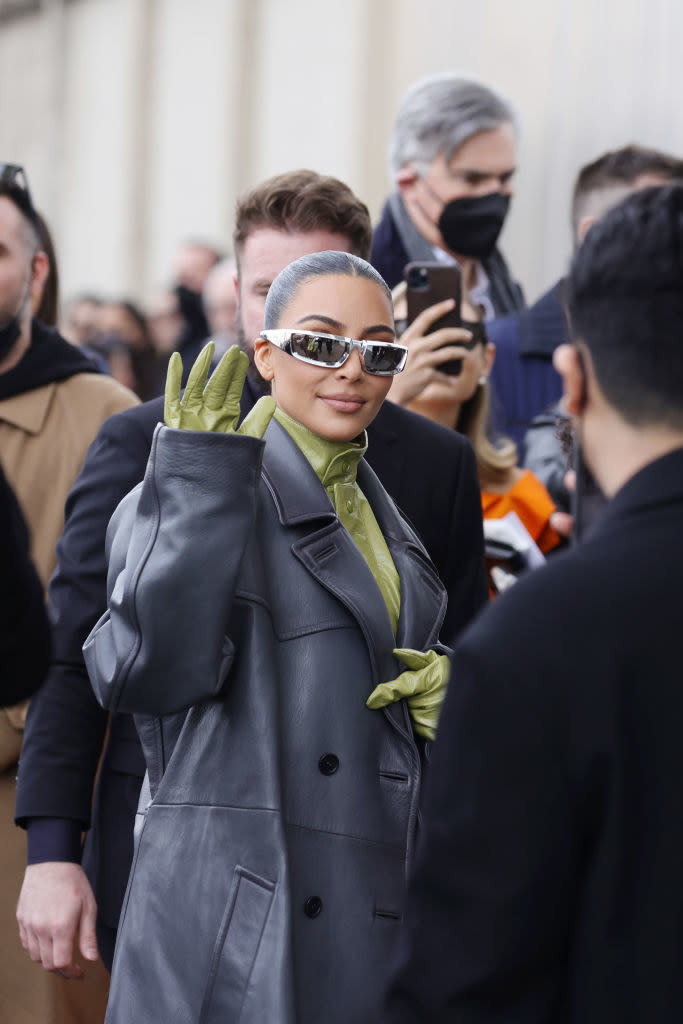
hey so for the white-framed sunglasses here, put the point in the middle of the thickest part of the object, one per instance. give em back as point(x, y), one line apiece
point(382, 358)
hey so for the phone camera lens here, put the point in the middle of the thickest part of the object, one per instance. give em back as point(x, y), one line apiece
point(418, 277)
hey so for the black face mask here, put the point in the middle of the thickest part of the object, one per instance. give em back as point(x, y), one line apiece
point(471, 226)
point(9, 333)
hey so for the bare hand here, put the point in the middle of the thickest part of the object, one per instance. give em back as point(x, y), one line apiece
point(562, 523)
point(426, 352)
point(56, 909)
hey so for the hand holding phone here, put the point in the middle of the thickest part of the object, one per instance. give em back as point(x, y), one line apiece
point(428, 284)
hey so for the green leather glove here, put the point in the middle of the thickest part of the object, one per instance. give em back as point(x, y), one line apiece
point(423, 686)
point(214, 406)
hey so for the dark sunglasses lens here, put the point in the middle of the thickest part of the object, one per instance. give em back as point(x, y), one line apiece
point(383, 358)
point(317, 349)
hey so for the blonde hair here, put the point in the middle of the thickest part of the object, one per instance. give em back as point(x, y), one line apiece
point(495, 456)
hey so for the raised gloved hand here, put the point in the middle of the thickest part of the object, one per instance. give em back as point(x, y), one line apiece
point(214, 406)
point(423, 685)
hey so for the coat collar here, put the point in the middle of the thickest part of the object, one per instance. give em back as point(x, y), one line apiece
point(423, 606)
point(416, 245)
point(657, 485)
point(298, 494)
point(28, 411)
point(385, 450)
point(386, 426)
point(300, 498)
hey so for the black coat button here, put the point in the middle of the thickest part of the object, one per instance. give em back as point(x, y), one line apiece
point(328, 764)
point(313, 906)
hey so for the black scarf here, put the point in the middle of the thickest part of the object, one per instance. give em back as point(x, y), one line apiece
point(48, 358)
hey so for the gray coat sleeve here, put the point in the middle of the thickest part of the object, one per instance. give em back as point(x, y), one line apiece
point(175, 547)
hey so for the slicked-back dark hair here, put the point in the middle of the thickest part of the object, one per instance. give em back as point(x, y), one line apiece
point(302, 201)
point(625, 299)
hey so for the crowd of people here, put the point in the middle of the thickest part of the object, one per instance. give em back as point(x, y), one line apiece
point(292, 751)
point(133, 344)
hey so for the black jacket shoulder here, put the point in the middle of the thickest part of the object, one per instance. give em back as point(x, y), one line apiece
point(24, 632)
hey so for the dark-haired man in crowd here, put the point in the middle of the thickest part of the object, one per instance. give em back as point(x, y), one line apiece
point(429, 471)
point(52, 403)
point(548, 882)
point(523, 378)
point(453, 159)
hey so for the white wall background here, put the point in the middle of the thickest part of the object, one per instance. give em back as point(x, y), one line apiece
point(141, 121)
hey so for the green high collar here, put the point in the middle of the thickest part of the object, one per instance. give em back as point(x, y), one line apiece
point(334, 462)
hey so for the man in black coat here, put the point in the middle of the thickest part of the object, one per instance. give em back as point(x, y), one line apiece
point(548, 886)
point(429, 471)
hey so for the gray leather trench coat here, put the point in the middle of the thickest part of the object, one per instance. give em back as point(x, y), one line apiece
point(246, 631)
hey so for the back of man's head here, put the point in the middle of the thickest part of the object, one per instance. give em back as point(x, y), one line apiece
point(604, 182)
point(302, 201)
point(441, 112)
point(625, 298)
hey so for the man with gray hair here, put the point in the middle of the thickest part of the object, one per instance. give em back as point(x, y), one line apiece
point(452, 159)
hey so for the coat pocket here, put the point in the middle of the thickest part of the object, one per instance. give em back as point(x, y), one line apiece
point(236, 946)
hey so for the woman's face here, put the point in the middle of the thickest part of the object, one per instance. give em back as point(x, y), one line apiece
point(337, 404)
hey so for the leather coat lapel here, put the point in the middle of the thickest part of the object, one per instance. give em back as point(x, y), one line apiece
point(326, 550)
point(334, 560)
point(423, 596)
point(331, 556)
point(298, 494)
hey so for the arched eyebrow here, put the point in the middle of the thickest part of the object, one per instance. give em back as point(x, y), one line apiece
point(376, 328)
point(322, 319)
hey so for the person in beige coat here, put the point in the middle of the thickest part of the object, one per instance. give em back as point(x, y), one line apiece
point(52, 403)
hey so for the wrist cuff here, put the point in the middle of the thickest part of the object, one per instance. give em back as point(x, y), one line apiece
point(53, 839)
